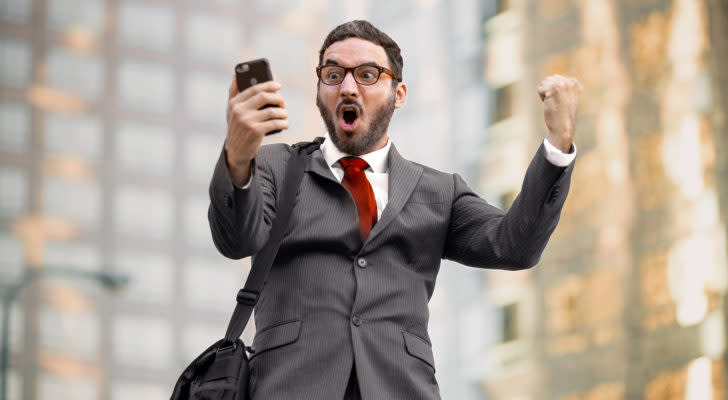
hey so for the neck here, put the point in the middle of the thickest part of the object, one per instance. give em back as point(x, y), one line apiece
point(379, 145)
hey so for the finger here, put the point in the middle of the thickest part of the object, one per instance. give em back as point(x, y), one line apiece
point(264, 87)
point(233, 90)
point(544, 91)
point(577, 83)
point(265, 98)
point(266, 114)
point(273, 113)
point(272, 125)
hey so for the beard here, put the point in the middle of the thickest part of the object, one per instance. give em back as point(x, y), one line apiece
point(362, 144)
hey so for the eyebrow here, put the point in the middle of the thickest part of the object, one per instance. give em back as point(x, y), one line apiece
point(330, 61)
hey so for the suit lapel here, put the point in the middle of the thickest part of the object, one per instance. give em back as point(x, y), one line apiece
point(403, 177)
point(318, 166)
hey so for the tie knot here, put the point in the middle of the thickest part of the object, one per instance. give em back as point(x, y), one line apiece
point(355, 162)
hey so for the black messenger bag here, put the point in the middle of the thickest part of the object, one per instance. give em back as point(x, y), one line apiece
point(221, 371)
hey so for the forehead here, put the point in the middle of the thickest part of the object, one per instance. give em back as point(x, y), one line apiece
point(355, 51)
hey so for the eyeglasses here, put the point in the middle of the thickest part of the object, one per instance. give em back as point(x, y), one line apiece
point(363, 74)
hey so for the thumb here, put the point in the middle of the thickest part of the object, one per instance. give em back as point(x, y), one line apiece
point(233, 90)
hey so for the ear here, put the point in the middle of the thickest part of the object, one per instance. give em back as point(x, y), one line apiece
point(400, 95)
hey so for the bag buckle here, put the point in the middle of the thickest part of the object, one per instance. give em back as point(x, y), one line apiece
point(247, 297)
point(232, 346)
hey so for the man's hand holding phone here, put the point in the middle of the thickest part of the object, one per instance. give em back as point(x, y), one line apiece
point(248, 122)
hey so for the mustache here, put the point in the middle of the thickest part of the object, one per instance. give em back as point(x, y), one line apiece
point(349, 102)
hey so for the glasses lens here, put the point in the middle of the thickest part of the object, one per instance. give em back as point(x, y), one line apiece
point(366, 74)
point(332, 74)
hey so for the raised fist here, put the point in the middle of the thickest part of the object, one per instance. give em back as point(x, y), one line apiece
point(560, 96)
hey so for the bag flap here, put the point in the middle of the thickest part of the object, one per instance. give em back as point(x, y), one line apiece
point(277, 335)
point(419, 348)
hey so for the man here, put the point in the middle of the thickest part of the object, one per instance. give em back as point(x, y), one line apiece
point(344, 312)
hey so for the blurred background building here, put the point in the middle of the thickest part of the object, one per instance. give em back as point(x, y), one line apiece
point(112, 114)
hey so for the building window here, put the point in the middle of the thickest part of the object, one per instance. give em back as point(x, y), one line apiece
point(201, 154)
point(143, 211)
point(283, 49)
point(503, 103)
point(78, 202)
point(510, 322)
point(146, 86)
point(145, 148)
point(18, 11)
point(74, 135)
point(70, 333)
point(204, 29)
point(139, 341)
point(211, 284)
point(76, 73)
point(147, 25)
point(15, 122)
point(53, 387)
point(205, 96)
point(151, 276)
point(11, 249)
point(14, 193)
point(15, 64)
point(197, 228)
point(70, 14)
point(74, 255)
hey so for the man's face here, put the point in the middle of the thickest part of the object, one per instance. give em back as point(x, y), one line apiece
point(357, 116)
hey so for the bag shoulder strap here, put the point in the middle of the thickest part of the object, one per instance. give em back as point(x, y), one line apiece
point(248, 296)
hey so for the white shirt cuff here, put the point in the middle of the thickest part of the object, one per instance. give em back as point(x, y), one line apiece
point(558, 157)
point(247, 185)
point(250, 179)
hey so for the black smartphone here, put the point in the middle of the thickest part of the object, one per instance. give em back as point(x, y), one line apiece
point(253, 72)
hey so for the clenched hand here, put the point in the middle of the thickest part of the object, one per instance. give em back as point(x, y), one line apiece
point(560, 96)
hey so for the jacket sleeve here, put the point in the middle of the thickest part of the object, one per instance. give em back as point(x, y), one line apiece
point(480, 235)
point(240, 219)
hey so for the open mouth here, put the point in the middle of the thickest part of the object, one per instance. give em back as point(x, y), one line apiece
point(349, 117)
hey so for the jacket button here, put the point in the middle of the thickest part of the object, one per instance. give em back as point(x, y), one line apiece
point(356, 320)
point(361, 262)
point(229, 201)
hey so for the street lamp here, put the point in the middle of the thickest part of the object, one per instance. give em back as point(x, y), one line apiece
point(108, 280)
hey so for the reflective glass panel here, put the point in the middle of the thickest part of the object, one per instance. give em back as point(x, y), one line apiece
point(142, 341)
point(145, 148)
point(14, 193)
point(146, 86)
point(143, 211)
point(148, 25)
point(80, 74)
point(14, 126)
point(74, 135)
point(15, 64)
point(75, 201)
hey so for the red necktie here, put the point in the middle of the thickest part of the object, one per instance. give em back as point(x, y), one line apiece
point(356, 181)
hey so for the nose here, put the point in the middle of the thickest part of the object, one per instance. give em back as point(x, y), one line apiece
point(349, 87)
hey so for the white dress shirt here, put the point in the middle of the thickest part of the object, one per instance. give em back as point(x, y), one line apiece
point(378, 171)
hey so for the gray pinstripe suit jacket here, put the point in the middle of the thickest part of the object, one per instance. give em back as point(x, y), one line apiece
point(331, 301)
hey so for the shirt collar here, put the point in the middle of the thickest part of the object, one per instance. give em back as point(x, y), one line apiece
point(378, 160)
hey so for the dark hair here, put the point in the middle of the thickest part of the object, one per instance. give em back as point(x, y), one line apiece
point(365, 30)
